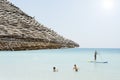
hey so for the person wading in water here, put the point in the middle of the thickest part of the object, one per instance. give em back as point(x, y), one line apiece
point(75, 68)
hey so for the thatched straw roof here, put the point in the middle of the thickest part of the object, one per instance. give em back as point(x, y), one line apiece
point(19, 31)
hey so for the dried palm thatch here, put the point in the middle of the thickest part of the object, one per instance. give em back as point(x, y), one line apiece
point(18, 31)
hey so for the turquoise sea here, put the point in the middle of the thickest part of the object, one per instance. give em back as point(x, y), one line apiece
point(38, 64)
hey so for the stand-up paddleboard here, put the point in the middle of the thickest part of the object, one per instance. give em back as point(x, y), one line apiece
point(98, 61)
point(95, 58)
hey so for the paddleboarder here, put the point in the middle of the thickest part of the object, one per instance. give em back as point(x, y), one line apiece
point(95, 55)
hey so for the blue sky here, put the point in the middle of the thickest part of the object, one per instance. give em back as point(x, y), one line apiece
point(91, 23)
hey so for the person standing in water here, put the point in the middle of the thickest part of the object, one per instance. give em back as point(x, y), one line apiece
point(55, 69)
point(95, 55)
point(75, 68)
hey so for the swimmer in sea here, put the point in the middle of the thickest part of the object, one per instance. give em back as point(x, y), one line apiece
point(55, 69)
point(75, 68)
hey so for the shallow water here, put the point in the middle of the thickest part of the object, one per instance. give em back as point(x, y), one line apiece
point(38, 64)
